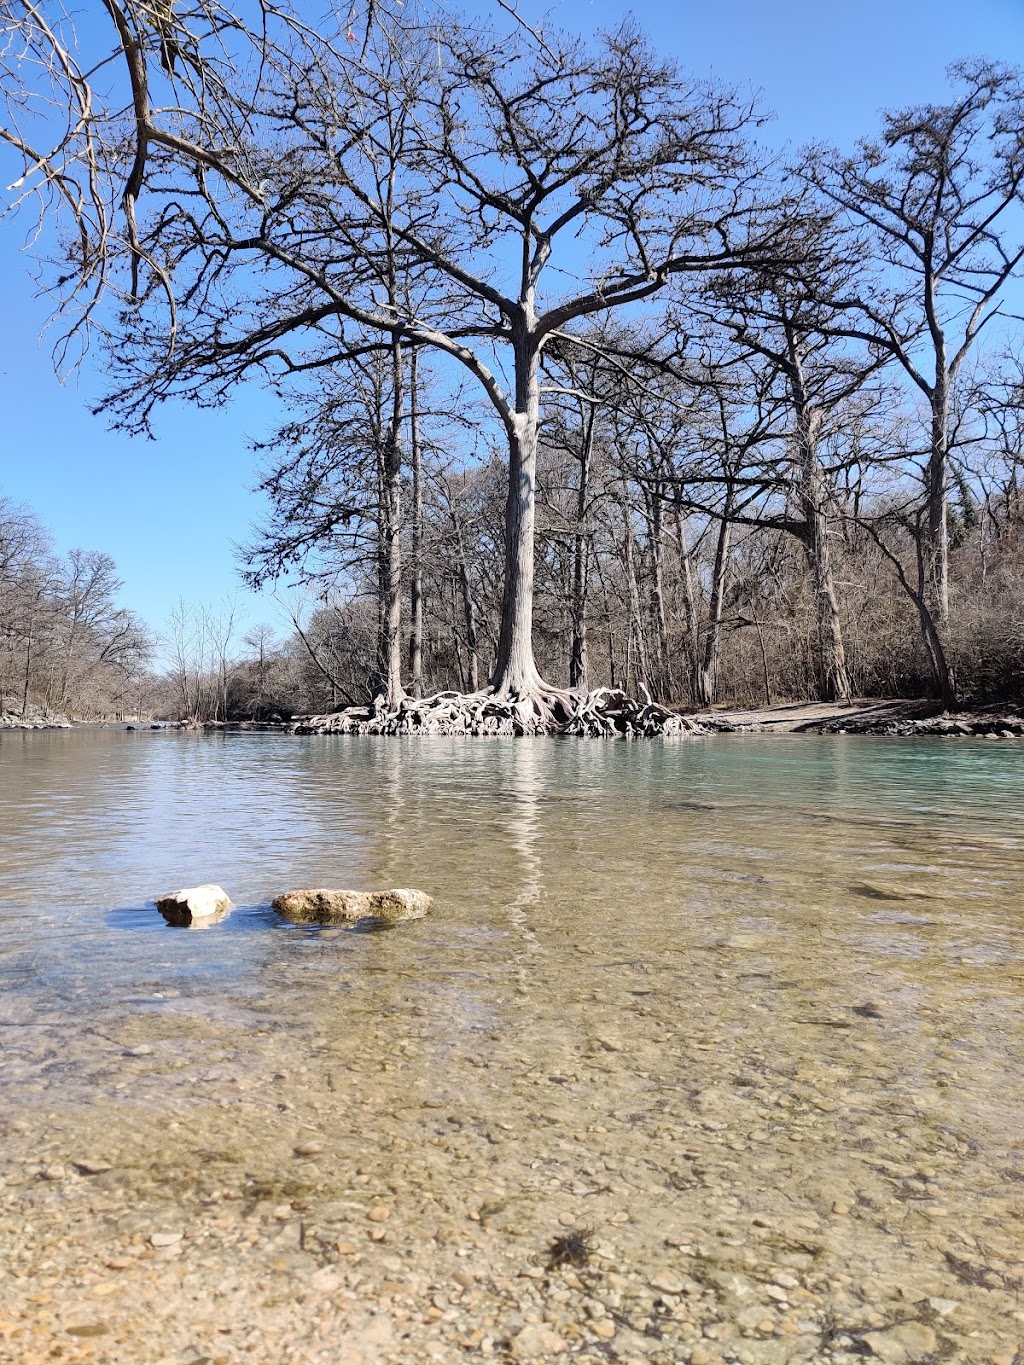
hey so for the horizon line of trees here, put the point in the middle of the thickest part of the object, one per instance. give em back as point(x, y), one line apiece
point(585, 386)
point(65, 644)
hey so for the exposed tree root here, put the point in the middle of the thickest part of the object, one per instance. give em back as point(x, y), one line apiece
point(605, 713)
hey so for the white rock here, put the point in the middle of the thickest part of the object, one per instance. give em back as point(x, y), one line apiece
point(165, 1239)
point(943, 1306)
point(194, 903)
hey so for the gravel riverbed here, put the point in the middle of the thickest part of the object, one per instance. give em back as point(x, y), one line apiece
point(183, 1194)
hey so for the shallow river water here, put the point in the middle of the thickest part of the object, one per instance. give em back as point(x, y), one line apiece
point(743, 1014)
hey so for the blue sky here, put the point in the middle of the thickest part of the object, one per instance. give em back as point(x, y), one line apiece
point(170, 510)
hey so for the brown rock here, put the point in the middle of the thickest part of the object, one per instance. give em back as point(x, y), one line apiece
point(322, 905)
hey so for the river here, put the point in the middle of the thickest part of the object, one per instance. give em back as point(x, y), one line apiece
point(743, 1013)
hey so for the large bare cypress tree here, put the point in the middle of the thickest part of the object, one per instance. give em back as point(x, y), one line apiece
point(514, 187)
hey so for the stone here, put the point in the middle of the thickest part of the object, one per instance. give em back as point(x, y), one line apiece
point(194, 904)
point(379, 1214)
point(534, 1341)
point(902, 1344)
point(308, 1149)
point(165, 1239)
point(943, 1307)
point(668, 1282)
point(322, 905)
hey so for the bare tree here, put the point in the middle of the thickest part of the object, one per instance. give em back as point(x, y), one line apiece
point(509, 150)
point(937, 198)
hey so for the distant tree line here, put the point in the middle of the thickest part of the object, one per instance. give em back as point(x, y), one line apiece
point(65, 644)
point(584, 387)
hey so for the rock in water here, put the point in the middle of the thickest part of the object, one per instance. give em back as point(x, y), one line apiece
point(324, 906)
point(194, 904)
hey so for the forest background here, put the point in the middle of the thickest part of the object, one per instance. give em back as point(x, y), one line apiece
point(768, 409)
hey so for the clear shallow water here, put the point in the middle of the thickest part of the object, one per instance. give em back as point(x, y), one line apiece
point(794, 836)
point(763, 976)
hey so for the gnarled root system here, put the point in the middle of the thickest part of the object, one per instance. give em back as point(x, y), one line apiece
point(604, 713)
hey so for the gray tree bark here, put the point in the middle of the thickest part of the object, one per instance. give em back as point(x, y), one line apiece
point(416, 584)
point(579, 668)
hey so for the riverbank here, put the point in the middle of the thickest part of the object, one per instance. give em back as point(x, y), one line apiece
point(33, 718)
point(861, 716)
point(866, 716)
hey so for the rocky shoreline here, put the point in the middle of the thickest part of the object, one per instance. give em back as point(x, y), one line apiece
point(862, 716)
point(868, 716)
point(35, 718)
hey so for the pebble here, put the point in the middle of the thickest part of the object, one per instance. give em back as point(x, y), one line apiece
point(165, 1239)
point(668, 1282)
point(943, 1306)
point(142, 1050)
point(535, 1341)
point(308, 1149)
point(902, 1344)
point(379, 1214)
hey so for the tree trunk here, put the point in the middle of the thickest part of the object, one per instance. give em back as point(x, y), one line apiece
point(699, 693)
point(931, 635)
point(938, 500)
point(578, 662)
point(833, 676)
point(28, 668)
point(716, 604)
point(516, 671)
point(664, 680)
point(390, 647)
point(636, 635)
point(416, 591)
point(469, 614)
